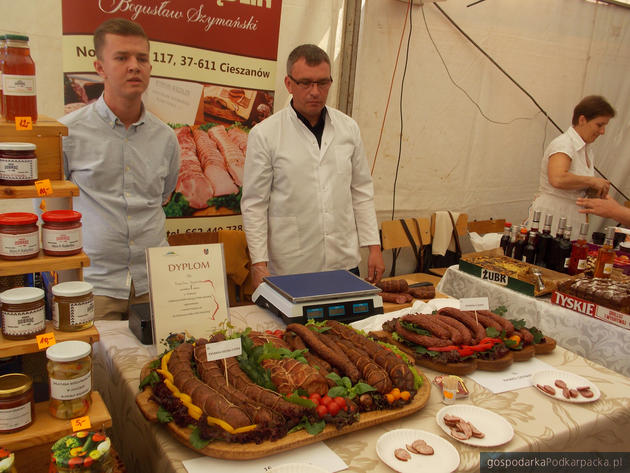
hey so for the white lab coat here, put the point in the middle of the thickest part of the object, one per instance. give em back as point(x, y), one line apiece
point(307, 209)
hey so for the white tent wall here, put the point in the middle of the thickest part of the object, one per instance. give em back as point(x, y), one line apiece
point(454, 158)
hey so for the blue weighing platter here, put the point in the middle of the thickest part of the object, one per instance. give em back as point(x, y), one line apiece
point(307, 287)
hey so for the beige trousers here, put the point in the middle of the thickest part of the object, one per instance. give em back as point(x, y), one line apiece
point(110, 308)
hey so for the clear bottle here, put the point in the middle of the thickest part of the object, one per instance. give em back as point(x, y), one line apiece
point(19, 94)
point(564, 250)
point(605, 256)
point(579, 252)
point(543, 243)
point(529, 252)
point(520, 244)
point(505, 239)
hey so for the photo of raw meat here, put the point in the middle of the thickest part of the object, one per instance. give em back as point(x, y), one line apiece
point(80, 90)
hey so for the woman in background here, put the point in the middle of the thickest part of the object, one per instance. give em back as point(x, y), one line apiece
point(567, 171)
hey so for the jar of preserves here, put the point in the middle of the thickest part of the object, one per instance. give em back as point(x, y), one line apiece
point(17, 408)
point(3, 44)
point(19, 95)
point(23, 312)
point(61, 233)
point(82, 452)
point(18, 164)
point(6, 461)
point(73, 306)
point(19, 236)
point(70, 379)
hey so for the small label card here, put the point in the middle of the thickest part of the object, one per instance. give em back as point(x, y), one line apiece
point(81, 423)
point(474, 303)
point(45, 340)
point(188, 291)
point(220, 350)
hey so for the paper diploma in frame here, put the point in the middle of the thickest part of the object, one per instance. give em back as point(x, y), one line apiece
point(188, 289)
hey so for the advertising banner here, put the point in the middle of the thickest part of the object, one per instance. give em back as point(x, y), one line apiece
point(213, 78)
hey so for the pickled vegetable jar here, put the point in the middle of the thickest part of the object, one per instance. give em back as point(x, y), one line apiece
point(70, 379)
point(17, 408)
point(18, 164)
point(82, 452)
point(23, 312)
point(73, 306)
point(6, 461)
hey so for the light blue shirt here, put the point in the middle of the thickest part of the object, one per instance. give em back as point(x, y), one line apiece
point(124, 176)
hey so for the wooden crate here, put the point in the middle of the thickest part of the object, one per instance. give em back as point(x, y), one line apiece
point(46, 135)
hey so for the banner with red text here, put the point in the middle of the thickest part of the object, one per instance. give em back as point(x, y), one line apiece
point(213, 78)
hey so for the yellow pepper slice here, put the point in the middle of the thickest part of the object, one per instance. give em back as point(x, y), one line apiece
point(165, 359)
point(166, 374)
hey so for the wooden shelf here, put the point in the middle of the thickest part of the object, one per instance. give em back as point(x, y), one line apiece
point(44, 263)
point(24, 347)
point(32, 445)
point(60, 189)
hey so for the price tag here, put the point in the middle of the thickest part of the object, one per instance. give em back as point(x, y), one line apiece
point(81, 423)
point(474, 303)
point(220, 350)
point(23, 123)
point(45, 340)
point(44, 187)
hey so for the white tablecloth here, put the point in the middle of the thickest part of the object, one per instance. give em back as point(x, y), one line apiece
point(599, 341)
point(540, 423)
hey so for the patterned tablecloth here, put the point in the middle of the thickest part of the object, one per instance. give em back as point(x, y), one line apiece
point(541, 424)
point(599, 341)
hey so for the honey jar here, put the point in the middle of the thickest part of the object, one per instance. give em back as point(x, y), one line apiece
point(18, 164)
point(23, 312)
point(17, 408)
point(73, 306)
point(70, 379)
point(61, 233)
point(19, 236)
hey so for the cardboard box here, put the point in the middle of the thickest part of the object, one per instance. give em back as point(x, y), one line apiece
point(525, 283)
point(591, 309)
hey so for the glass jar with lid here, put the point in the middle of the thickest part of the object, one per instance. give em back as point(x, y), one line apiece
point(73, 306)
point(19, 236)
point(23, 312)
point(70, 379)
point(18, 164)
point(17, 408)
point(61, 233)
point(82, 452)
point(19, 94)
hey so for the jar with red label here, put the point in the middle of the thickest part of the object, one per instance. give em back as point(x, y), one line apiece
point(18, 164)
point(17, 407)
point(19, 97)
point(61, 233)
point(23, 312)
point(19, 236)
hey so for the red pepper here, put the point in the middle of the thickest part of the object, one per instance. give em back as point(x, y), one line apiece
point(448, 348)
point(491, 340)
point(466, 351)
point(479, 347)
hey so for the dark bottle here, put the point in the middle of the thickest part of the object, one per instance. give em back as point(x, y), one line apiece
point(553, 260)
point(529, 252)
point(509, 249)
point(564, 250)
point(505, 239)
point(605, 256)
point(535, 226)
point(543, 242)
point(579, 252)
point(520, 244)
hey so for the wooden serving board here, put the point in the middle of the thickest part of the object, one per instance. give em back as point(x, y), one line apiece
point(249, 451)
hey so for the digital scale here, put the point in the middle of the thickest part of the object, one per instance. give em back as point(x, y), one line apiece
point(338, 295)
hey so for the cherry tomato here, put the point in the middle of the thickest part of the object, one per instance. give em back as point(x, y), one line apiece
point(268, 332)
point(326, 400)
point(396, 393)
point(304, 397)
point(316, 398)
point(278, 333)
point(341, 402)
point(405, 395)
point(390, 398)
point(322, 410)
point(333, 408)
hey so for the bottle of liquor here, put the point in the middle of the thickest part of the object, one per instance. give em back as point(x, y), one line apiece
point(505, 239)
point(564, 250)
point(509, 249)
point(605, 256)
point(553, 261)
point(520, 244)
point(579, 252)
point(529, 252)
point(543, 243)
point(535, 226)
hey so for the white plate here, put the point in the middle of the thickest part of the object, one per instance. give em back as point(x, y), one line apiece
point(445, 458)
point(497, 430)
point(573, 381)
point(297, 468)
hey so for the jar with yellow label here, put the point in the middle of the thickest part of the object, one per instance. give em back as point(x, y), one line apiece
point(7, 459)
point(23, 312)
point(70, 379)
point(73, 306)
point(17, 408)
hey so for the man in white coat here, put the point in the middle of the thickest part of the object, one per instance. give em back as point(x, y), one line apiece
point(308, 199)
